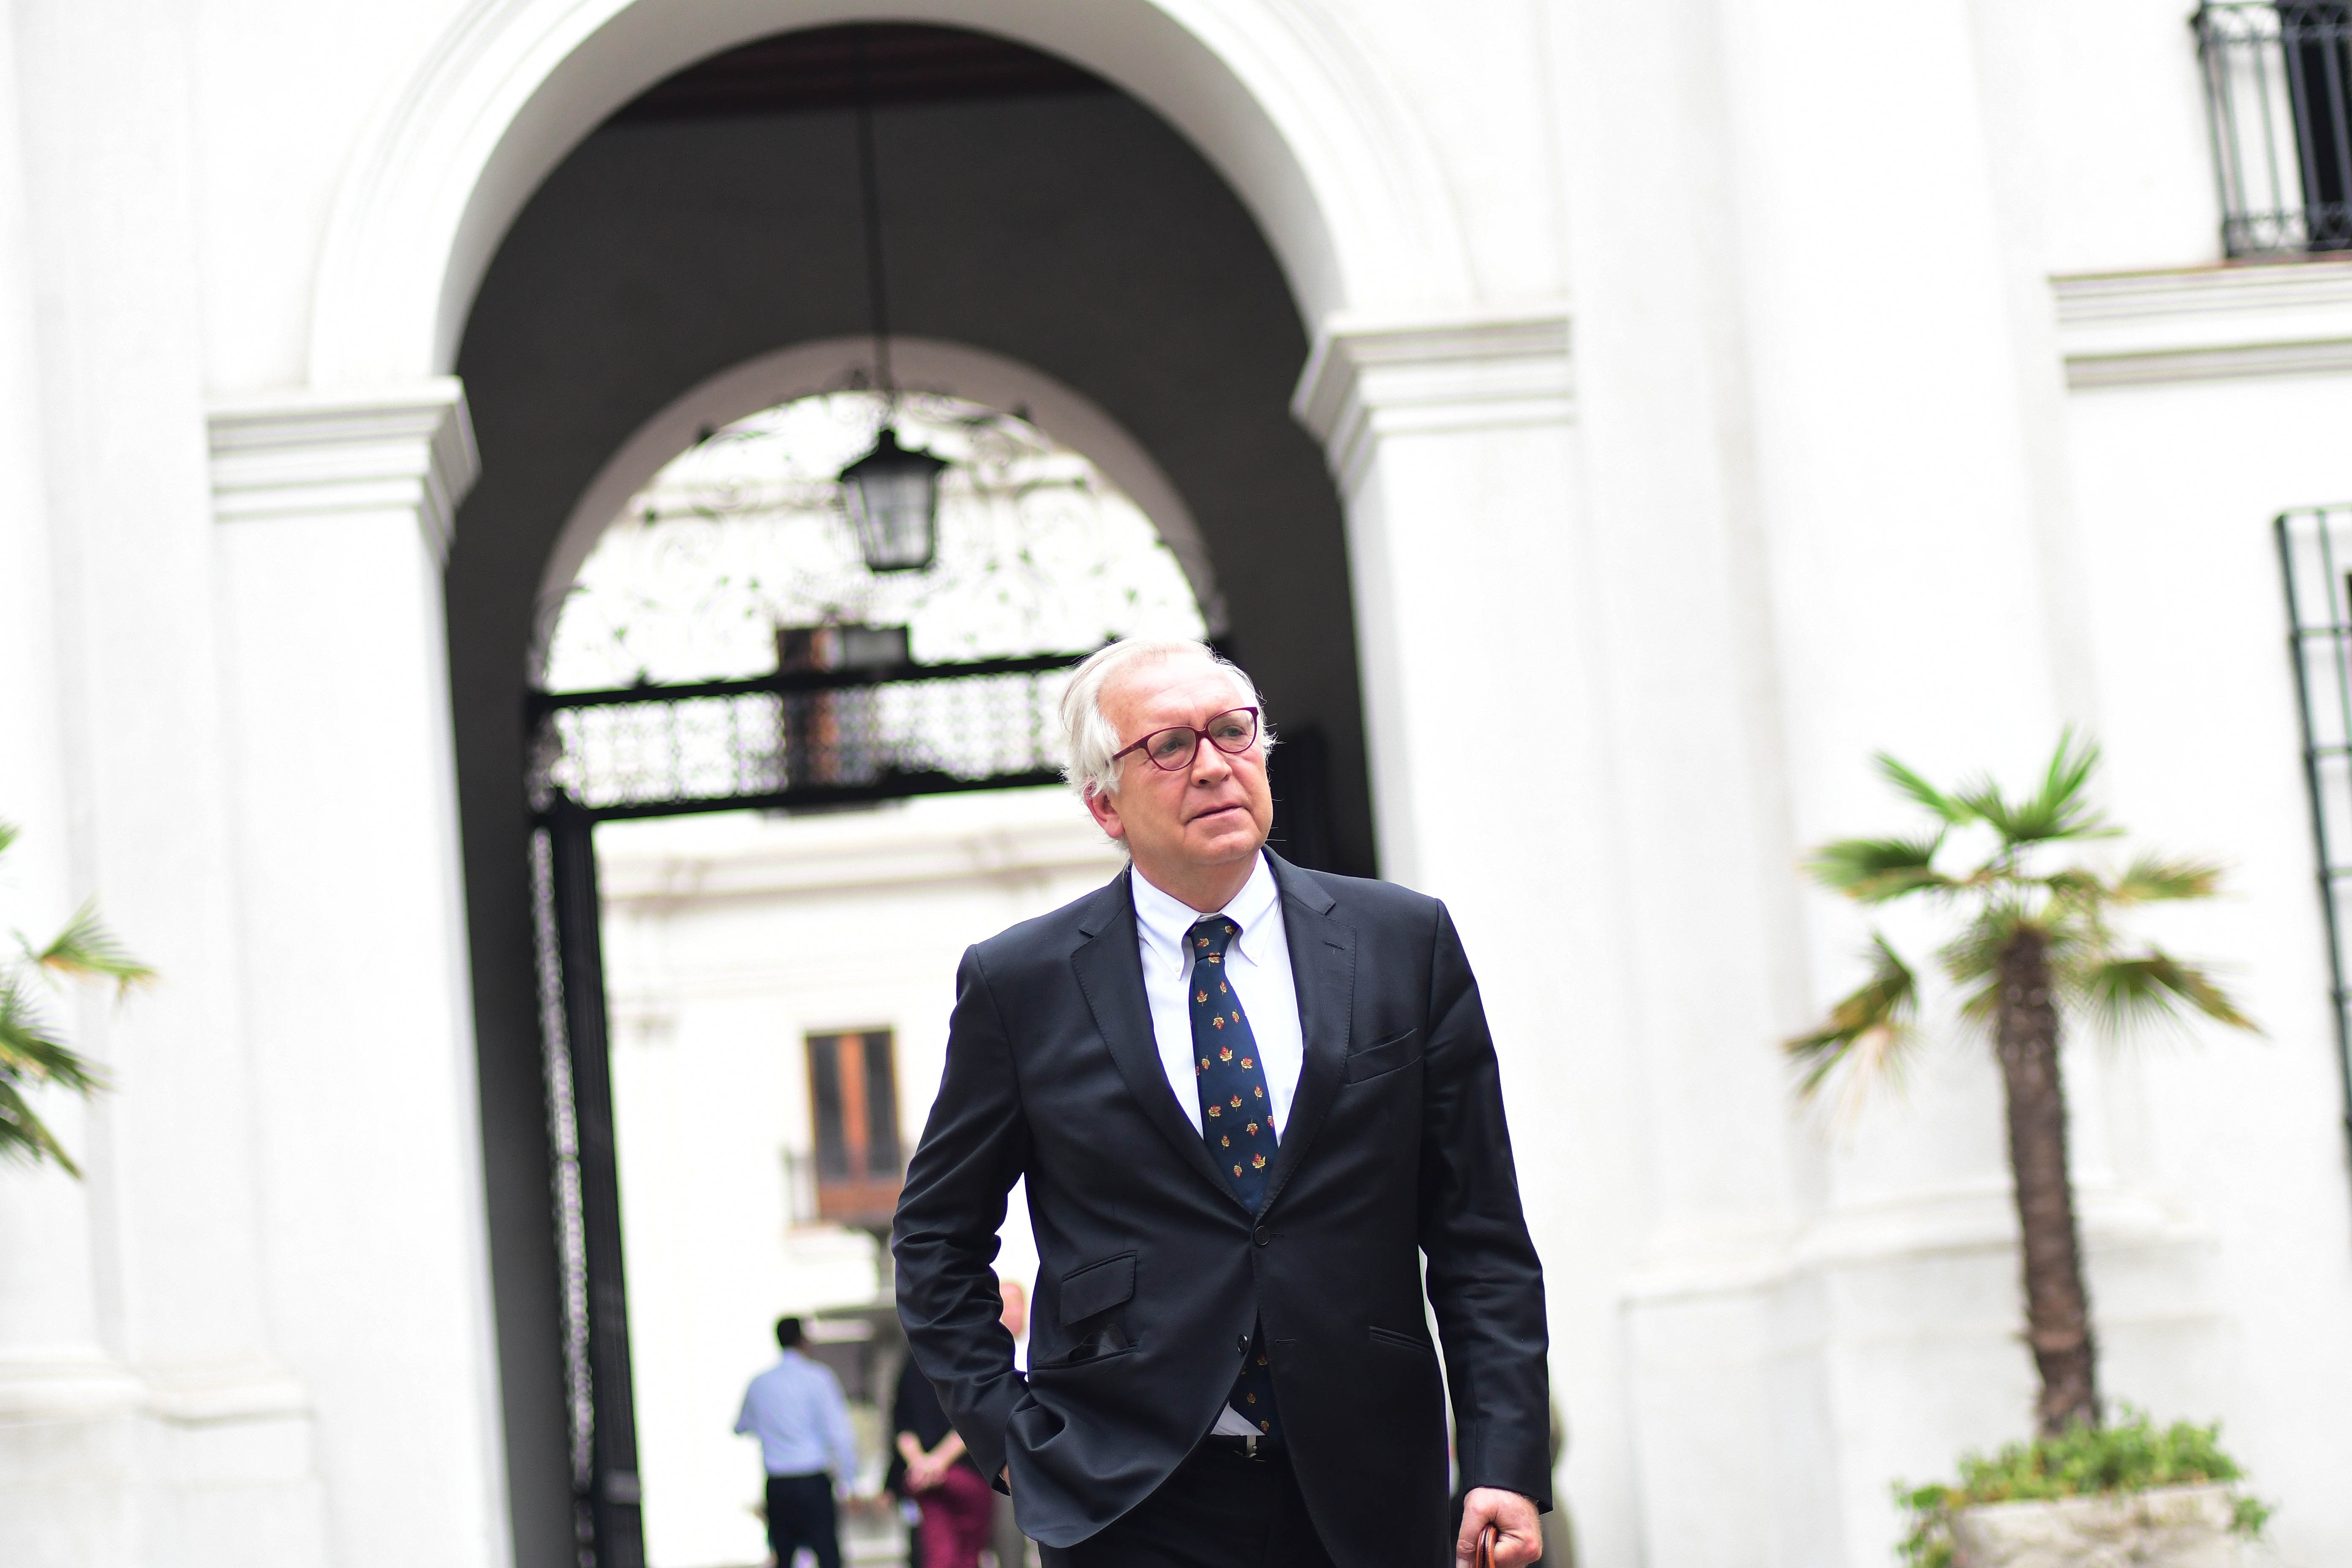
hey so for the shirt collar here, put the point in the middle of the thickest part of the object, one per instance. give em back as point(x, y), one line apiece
point(1162, 919)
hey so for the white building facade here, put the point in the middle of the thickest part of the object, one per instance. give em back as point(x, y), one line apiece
point(1713, 394)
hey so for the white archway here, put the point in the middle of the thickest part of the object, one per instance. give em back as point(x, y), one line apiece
point(1278, 97)
point(925, 365)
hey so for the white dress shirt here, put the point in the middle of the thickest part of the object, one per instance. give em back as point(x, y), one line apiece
point(795, 1409)
point(1257, 966)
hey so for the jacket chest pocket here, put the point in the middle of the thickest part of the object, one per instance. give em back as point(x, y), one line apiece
point(1386, 1057)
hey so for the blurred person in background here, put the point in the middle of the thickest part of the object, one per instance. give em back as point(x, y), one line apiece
point(930, 1468)
point(797, 1410)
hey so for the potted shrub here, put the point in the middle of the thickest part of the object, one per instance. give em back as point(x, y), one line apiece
point(2035, 941)
point(2126, 1493)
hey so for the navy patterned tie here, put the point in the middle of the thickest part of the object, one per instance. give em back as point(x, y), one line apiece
point(1237, 1120)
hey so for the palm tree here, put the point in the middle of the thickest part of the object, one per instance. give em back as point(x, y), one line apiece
point(31, 1053)
point(2035, 944)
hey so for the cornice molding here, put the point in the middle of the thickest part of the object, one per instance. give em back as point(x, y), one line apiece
point(86, 1385)
point(2143, 328)
point(311, 454)
point(67, 1384)
point(1371, 378)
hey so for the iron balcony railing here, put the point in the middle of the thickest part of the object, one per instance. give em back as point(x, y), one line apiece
point(2316, 553)
point(799, 738)
point(2278, 101)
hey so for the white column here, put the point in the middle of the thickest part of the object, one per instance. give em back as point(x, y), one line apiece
point(140, 1417)
point(65, 1403)
point(1450, 441)
point(1484, 680)
point(334, 513)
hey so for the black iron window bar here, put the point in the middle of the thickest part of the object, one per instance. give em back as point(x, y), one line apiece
point(2278, 101)
point(799, 738)
point(2316, 553)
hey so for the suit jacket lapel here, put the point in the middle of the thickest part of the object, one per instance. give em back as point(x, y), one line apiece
point(1110, 974)
point(1323, 966)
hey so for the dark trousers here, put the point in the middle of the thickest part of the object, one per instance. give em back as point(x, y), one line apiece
point(1219, 1509)
point(800, 1513)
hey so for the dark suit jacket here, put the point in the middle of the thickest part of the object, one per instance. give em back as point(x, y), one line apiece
point(1153, 1273)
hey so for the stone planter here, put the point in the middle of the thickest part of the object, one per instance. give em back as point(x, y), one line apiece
point(2178, 1527)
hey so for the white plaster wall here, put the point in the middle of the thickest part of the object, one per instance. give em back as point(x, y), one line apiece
point(281, 93)
point(729, 940)
point(2106, 100)
point(2177, 486)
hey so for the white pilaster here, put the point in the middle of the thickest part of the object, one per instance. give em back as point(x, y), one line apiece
point(142, 1417)
point(334, 513)
point(1489, 368)
point(1450, 438)
point(65, 1401)
point(1454, 442)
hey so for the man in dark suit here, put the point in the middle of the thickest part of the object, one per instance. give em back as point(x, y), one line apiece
point(1248, 1101)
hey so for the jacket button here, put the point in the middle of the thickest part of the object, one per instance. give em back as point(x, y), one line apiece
point(1262, 1236)
point(1241, 1344)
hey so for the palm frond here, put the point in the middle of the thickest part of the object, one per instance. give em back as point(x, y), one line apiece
point(87, 949)
point(8, 831)
point(30, 1051)
point(1982, 798)
point(2073, 885)
point(2151, 878)
point(1953, 812)
point(1975, 953)
point(2060, 810)
point(2126, 993)
point(1979, 1007)
point(24, 1137)
point(1873, 870)
point(1867, 1032)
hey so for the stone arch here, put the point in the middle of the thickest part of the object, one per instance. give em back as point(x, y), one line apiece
point(928, 365)
point(1279, 98)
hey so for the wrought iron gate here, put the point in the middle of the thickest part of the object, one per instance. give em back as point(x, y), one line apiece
point(800, 738)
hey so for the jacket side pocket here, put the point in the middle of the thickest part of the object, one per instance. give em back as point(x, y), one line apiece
point(1097, 1287)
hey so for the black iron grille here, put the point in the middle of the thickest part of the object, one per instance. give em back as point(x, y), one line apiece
point(2278, 98)
point(802, 738)
point(2316, 551)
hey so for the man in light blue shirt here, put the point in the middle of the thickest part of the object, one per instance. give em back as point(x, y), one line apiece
point(797, 1410)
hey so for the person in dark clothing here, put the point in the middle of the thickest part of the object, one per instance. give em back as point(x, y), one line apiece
point(958, 1506)
point(1259, 1118)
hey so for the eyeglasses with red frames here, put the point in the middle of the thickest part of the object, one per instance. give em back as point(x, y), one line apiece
point(1233, 732)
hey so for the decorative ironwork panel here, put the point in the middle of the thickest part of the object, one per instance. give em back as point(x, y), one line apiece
point(801, 738)
point(2316, 551)
point(571, 1227)
point(608, 1494)
point(2278, 98)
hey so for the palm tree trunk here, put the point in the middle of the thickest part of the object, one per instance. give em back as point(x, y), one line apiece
point(2057, 1311)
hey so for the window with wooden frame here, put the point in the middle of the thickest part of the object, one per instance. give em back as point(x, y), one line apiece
point(854, 1103)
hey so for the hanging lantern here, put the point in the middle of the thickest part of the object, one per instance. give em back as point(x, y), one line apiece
point(893, 497)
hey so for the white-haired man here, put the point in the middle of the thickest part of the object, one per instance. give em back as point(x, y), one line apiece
point(1249, 1100)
